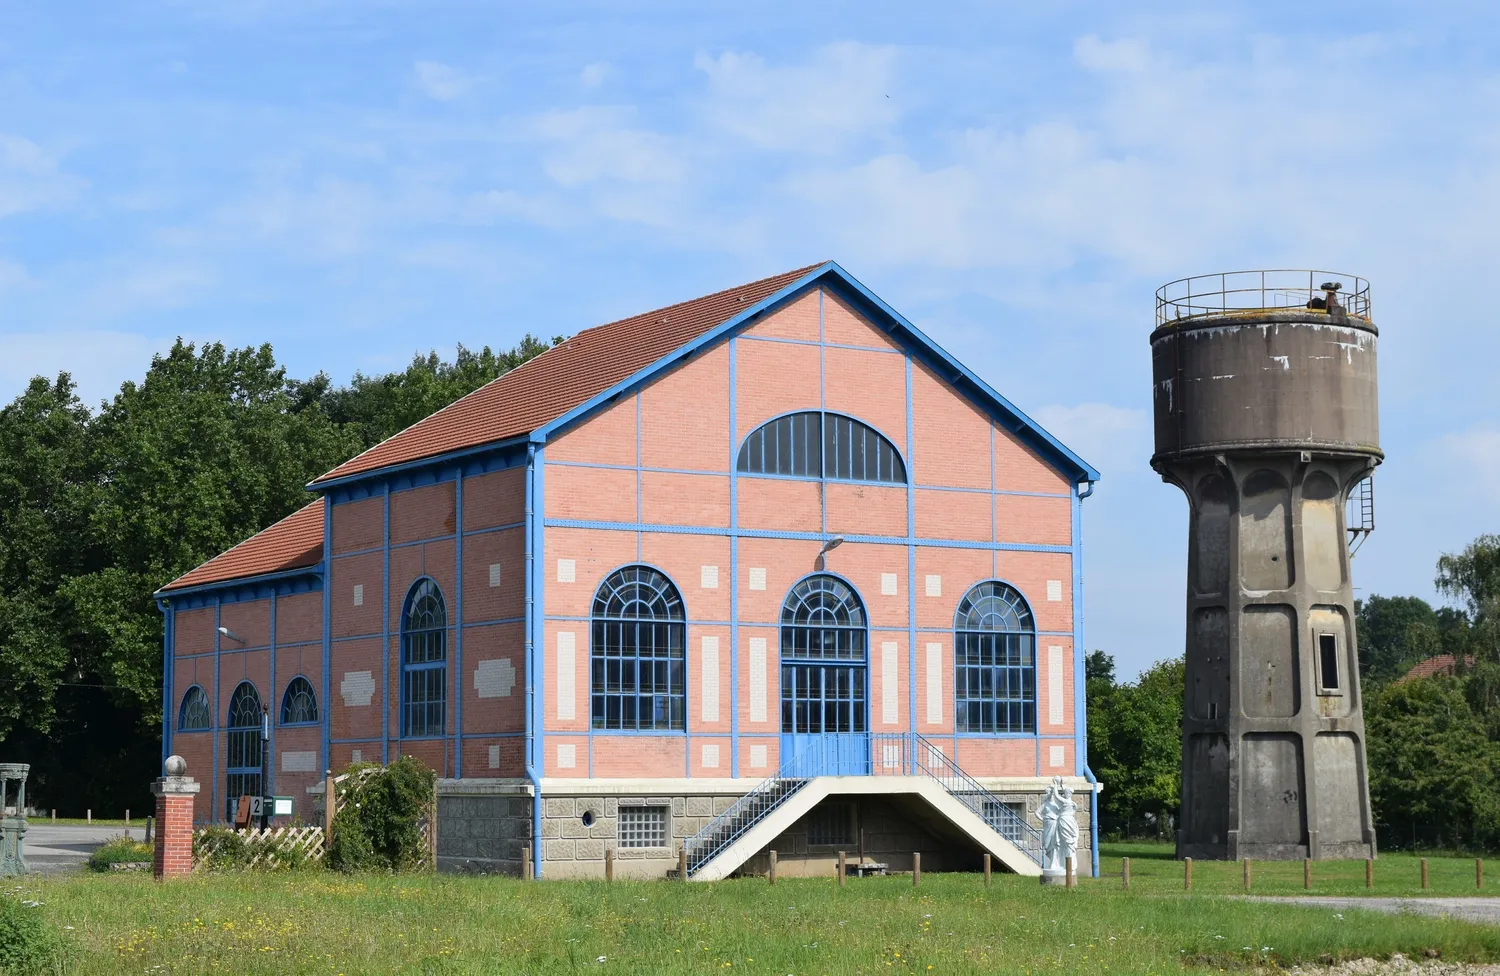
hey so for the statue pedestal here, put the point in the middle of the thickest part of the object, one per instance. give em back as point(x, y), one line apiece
point(1058, 878)
point(13, 828)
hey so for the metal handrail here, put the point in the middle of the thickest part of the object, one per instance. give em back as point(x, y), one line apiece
point(722, 831)
point(930, 760)
point(1241, 291)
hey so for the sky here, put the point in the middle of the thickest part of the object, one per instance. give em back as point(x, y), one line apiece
point(358, 182)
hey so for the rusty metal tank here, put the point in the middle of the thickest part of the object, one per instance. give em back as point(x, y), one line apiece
point(1266, 416)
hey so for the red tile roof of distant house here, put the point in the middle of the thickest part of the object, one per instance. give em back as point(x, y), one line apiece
point(293, 543)
point(1442, 664)
point(570, 373)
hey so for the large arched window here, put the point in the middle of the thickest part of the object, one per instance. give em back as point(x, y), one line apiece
point(299, 706)
point(994, 654)
point(424, 661)
point(818, 444)
point(823, 654)
point(638, 653)
point(195, 714)
point(242, 740)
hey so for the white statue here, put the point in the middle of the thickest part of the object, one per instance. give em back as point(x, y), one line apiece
point(1059, 831)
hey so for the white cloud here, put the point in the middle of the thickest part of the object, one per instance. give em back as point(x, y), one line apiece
point(595, 74)
point(30, 178)
point(1127, 54)
point(440, 81)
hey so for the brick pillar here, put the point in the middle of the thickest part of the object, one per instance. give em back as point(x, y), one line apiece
point(174, 794)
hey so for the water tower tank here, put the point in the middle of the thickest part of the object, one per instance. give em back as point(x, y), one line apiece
point(1265, 416)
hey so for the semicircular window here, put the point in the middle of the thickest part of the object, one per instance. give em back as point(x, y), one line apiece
point(818, 444)
point(299, 706)
point(994, 644)
point(637, 657)
point(195, 715)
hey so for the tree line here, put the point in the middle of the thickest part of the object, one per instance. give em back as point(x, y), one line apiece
point(1433, 743)
point(100, 507)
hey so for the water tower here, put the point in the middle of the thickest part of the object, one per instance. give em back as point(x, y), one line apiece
point(1265, 416)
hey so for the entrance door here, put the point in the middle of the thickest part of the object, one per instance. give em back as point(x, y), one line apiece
point(825, 719)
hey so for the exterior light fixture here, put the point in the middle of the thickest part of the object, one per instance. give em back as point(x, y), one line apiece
point(831, 544)
point(232, 635)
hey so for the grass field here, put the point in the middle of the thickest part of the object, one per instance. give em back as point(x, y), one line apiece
point(316, 922)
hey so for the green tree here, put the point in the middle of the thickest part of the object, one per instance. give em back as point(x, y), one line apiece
point(1135, 741)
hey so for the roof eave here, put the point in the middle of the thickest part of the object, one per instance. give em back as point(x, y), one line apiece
point(311, 569)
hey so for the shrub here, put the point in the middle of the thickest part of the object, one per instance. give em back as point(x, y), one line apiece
point(27, 944)
point(220, 848)
point(378, 825)
point(121, 850)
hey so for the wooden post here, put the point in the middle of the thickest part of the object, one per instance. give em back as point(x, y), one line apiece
point(609, 864)
point(1070, 882)
point(1246, 863)
point(54, 815)
point(330, 804)
point(1369, 872)
point(771, 874)
point(1187, 874)
point(916, 868)
point(526, 863)
point(1424, 874)
point(127, 816)
point(1478, 872)
point(986, 870)
point(682, 863)
point(1125, 872)
point(88, 816)
point(1307, 872)
point(843, 868)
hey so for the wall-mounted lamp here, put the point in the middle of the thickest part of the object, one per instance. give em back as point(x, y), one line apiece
point(232, 635)
point(831, 544)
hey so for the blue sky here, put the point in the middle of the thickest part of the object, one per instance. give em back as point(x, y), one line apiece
point(357, 182)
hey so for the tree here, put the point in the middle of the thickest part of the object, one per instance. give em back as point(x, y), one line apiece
point(1472, 575)
point(1135, 740)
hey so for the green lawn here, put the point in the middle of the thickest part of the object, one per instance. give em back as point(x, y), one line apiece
point(316, 922)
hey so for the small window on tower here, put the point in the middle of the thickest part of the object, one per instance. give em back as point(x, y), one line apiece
point(1328, 659)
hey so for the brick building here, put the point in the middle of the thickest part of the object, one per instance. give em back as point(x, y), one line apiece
point(766, 570)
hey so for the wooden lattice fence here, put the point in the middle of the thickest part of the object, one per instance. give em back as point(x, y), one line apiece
point(272, 847)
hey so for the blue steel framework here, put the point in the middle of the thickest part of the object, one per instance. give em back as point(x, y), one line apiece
point(530, 450)
point(638, 653)
point(424, 661)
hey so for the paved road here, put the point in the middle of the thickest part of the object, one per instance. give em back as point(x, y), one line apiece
point(52, 850)
point(1469, 909)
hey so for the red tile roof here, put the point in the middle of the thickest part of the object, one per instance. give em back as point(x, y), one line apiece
point(545, 388)
point(292, 543)
point(1441, 664)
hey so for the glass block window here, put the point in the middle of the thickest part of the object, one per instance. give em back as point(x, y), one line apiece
point(637, 656)
point(1006, 817)
point(642, 827)
point(195, 714)
point(424, 661)
point(831, 825)
point(818, 444)
point(243, 745)
point(299, 706)
point(994, 656)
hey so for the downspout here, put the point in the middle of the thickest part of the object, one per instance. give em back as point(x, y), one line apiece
point(1088, 773)
point(531, 710)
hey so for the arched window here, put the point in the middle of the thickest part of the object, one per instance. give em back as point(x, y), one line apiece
point(818, 444)
point(994, 644)
point(299, 706)
point(424, 661)
point(242, 740)
point(823, 654)
point(195, 715)
point(638, 654)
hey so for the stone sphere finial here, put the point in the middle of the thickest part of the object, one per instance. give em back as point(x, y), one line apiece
point(176, 766)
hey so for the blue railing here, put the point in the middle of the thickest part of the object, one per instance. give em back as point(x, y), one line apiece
point(881, 754)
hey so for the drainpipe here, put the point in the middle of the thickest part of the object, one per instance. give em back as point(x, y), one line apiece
point(531, 709)
point(1087, 772)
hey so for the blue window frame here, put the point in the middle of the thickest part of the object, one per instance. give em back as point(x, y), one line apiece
point(424, 660)
point(299, 706)
point(637, 655)
point(823, 658)
point(994, 654)
point(243, 745)
point(818, 444)
point(195, 715)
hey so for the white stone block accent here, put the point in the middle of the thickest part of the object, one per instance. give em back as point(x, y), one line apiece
point(757, 757)
point(757, 577)
point(567, 570)
point(1054, 591)
point(567, 674)
point(887, 584)
point(1054, 684)
point(710, 755)
point(299, 762)
point(494, 757)
point(708, 577)
point(357, 688)
point(494, 574)
point(359, 594)
point(357, 755)
point(567, 755)
point(494, 678)
point(708, 679)
point(1055, 756)
point(888, 711)
point(934, 684)
point(934, 585)
point(757, 679)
